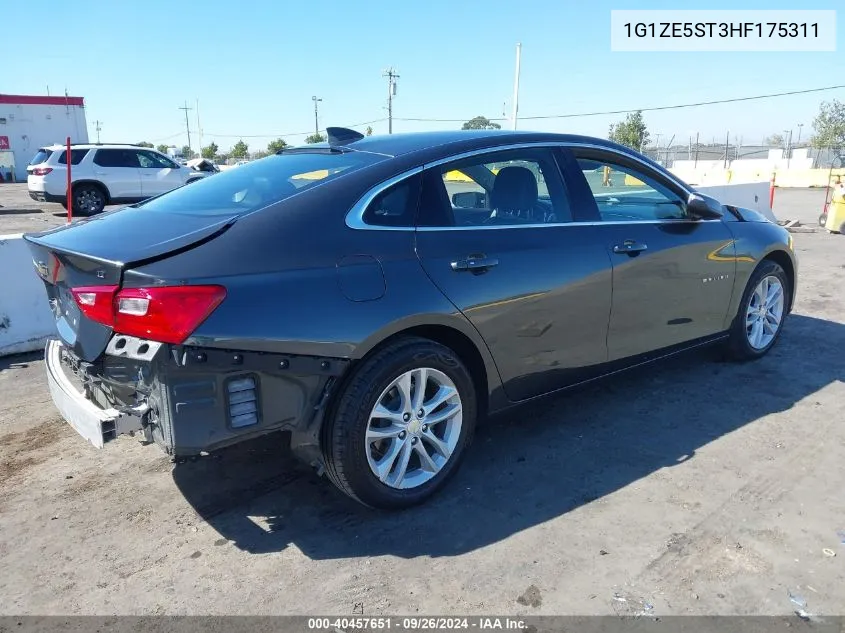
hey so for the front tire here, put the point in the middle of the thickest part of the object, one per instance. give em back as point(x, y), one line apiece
point(401, 424)
point(762, 311)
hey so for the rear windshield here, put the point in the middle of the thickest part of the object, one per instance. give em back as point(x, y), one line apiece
point(41, 156)
point(259, 183)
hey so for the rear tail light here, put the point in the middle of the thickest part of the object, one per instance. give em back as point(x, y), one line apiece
point(41, 171)
point(166, 313)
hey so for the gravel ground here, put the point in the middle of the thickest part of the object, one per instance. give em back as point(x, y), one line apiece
point(692, 487)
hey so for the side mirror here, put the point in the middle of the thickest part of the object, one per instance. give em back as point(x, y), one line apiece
point(701, 207)
point(469, 200)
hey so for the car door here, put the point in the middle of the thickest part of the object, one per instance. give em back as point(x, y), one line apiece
point(117, 168)
point(672, 275)
point(495, 234)
point(158, 174)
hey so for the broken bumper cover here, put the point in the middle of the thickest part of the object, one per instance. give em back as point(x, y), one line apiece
point(191, 400)
point(95, 424)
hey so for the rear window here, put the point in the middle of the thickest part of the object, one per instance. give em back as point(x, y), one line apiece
point(259, 183)
point(76, 156)
point(41, 156)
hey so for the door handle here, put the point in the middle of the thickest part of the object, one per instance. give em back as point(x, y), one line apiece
point(630, 247)
point(474, 263)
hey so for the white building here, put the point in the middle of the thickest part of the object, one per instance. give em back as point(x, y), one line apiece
point(28, 122)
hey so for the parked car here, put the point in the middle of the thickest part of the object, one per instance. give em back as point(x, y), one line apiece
point(104, 174)
point(376, 297)
point(203, 165)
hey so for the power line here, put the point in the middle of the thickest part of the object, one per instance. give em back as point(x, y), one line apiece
point(271, 134)
point(651, 109)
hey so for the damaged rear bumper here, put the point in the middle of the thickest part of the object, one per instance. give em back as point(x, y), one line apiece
point(192, 400)
point(95, 424)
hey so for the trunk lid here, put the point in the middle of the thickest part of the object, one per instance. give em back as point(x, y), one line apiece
point(96, 252)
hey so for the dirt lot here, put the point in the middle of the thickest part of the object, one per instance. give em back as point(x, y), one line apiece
point(694, 487)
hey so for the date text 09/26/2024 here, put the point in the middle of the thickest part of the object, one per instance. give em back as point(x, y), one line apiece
point(416, 623)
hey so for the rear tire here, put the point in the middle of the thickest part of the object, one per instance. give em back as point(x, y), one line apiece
point(761, 314)
point(399, 459)
point(88, 199)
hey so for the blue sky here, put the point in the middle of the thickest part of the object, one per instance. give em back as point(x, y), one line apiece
point(255, 65)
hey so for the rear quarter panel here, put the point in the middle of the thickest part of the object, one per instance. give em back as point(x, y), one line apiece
point(286, 292)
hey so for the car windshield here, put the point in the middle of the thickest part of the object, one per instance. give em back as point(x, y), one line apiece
point(41, 156)
point(259, 183)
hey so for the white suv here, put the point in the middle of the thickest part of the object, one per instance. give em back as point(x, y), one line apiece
point(104, 174)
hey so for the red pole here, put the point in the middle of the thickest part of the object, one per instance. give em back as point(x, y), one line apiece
point(772, 192)
point(69, 195)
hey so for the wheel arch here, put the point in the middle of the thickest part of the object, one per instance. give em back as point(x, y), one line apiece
point(458, 336)
point(782, 258)
point(88, 181)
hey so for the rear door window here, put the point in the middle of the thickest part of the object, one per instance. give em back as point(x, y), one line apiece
point(116, 158)
point(76, 156)
point(41, 156)
point(261, 182)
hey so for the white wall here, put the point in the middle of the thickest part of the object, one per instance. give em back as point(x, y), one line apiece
point(26, 320)
point(32, 126)
point(753, 195)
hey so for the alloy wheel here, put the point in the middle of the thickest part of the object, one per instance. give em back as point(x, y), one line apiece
point(414, 428)
point(764, 315)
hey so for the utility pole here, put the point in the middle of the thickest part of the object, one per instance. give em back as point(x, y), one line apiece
point(199, 129)
point(516, 84)
point(787, 136)
point(727, 145)
point(97, 128)
point(316, 124)
point(800, 125)
point(391, 75)
point(187, 126)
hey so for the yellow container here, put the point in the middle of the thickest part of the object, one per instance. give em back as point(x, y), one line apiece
point(836, 215)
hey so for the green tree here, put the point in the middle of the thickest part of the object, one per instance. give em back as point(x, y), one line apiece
point(480, 123)
point(186, 152)
point(209, 151)
point(315, 138)
point(239, 150)
point(829, 125)
point(145, 144)
point(260, 154)
point(632, 132)
point(775, 140)
point(162, 148)
point(369, 131)
point(275, 146)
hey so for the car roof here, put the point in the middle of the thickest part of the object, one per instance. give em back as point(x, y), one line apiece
point(58, 146)
point(452, 141)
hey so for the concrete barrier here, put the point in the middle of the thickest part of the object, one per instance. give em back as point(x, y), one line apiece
point(26, 321)
point(753, 195)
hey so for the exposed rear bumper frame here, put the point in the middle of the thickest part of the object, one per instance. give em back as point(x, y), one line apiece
point(95, 424)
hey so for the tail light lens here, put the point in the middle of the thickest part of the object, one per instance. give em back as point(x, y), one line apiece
point(41, 171)
point(166, 313)
point(96, 302)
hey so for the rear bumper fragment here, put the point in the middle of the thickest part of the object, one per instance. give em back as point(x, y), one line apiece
point(191, 400)
point(95, 424)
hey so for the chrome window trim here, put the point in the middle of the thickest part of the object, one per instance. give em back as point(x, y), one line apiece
point(355, 216)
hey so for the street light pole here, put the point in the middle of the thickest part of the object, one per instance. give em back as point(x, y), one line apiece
point(800, 125)
point(316, 124)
